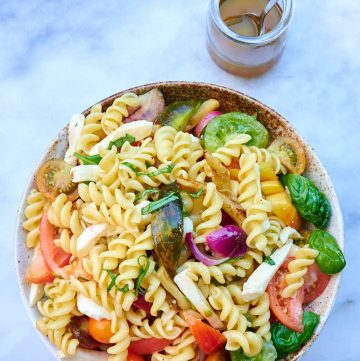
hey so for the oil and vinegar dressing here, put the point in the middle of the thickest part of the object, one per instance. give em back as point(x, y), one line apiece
point(236, 55)
point(231, 11)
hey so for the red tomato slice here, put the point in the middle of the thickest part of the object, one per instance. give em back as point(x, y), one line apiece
point(287, 310)
point(54, 256)
point(134, 357)
point(148, 346)
point(208, 338)
point(315, 283)
point(38, 271)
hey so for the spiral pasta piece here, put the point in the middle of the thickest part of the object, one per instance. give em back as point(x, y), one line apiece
point(181, 151)
point(231, 149)
point(109, 166)
point(304, 258)
point(261, 313)
point(120, 340)
point(62, 214)
point(257, 223)
point(249, 178)
point(164, 142)
point(211, 216)
point(92, 131)
point(33, 213)
point(67, 241)
point(246, 264)
point(182, 349)
point(115, 113)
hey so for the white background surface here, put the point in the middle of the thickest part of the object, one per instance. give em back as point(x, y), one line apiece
point(57, 58)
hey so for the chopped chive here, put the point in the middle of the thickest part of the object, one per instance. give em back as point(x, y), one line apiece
point(142, 273)
point(269, 260)
point(112, 284)
point(155, 205)
point(197, 194)
point(88, 159)
point(145, 193)
point(121, 141)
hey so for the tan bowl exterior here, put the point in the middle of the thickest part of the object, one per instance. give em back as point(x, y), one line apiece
point(230, 100)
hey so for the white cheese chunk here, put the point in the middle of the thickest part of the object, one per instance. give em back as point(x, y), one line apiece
point(36, 294)
point(256, 285)
point(91, 309)
point(139, 129)
point(289, 233)
point(193, 138)
point(194, 295)
point(143, 218)
point(74, 131)
point(188, 225)
point(89, 237)
point(85, 173)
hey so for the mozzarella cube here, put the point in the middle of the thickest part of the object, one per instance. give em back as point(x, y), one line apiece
point(85, 173)
point(91, 309)
point(36, 294)
point(74, 132)
point(89, 237)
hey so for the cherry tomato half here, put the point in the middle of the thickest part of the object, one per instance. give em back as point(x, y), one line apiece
point(287, 310)
point(148, 346)
point(291, 153)
point(315, 283)
point(100, 330)
point(54, 178)
point(134, 357)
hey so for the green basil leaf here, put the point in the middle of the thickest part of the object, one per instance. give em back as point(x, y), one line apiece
point(142, 273)
point(197, 194)
point(145, 193)
point(312, 204)
point(167, 169)
point(112, 284)
point(88, 159)
point(132, 167)
point(121, 141)
point(287, 341)
point(330, 260)
point(155, 205)
point(269, 261)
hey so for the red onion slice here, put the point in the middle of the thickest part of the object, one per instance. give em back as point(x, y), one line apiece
point(205, 120)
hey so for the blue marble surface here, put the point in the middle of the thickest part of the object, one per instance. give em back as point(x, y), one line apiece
point(57, 58)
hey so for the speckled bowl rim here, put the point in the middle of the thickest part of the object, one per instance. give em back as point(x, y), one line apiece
point(337, 219)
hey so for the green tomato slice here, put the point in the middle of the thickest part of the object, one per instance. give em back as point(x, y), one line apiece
point(227, 126)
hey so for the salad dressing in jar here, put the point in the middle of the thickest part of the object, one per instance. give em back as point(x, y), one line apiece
point(233, 41)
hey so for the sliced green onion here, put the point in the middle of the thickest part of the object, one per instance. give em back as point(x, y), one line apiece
point(155, 205)
point(121, 141)
point(145, 193)
point(112, 284)
point(142, 273)
point(88, 159)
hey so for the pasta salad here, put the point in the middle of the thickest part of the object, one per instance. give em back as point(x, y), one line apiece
point(176, 232)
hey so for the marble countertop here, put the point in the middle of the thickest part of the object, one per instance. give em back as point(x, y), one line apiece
point(57, 58)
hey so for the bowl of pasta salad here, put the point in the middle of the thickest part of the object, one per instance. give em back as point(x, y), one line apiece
point(179, 221)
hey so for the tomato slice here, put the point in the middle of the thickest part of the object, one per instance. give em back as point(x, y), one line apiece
point(38, 271)
point(149, 346)
point(100, 330)
point(287, 310)
point(315, 283)
point(54, 178)
point(54, 256)
point(134, 357)
point(291, 153)
point(208, 338)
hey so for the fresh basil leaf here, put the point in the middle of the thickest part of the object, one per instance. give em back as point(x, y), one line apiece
point(88, 159)
point(142, 273)
point(330, 260)
point(197, 194)
point(269, 261)
point(167, 169)
point(155, 205)
point(112, 284)
point(268, 353)
point(132, 167)
point(121, 141)
point(145, 193)
point(312, 204)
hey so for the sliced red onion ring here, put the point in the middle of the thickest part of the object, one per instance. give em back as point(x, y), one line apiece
point(226, 219)
point(228, 241)
point(200, 256)
point(205, 120)
point(142, 304)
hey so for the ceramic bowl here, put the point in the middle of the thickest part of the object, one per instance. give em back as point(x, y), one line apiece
point(230, 100)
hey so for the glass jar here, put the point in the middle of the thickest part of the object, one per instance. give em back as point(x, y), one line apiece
point(244, 55)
